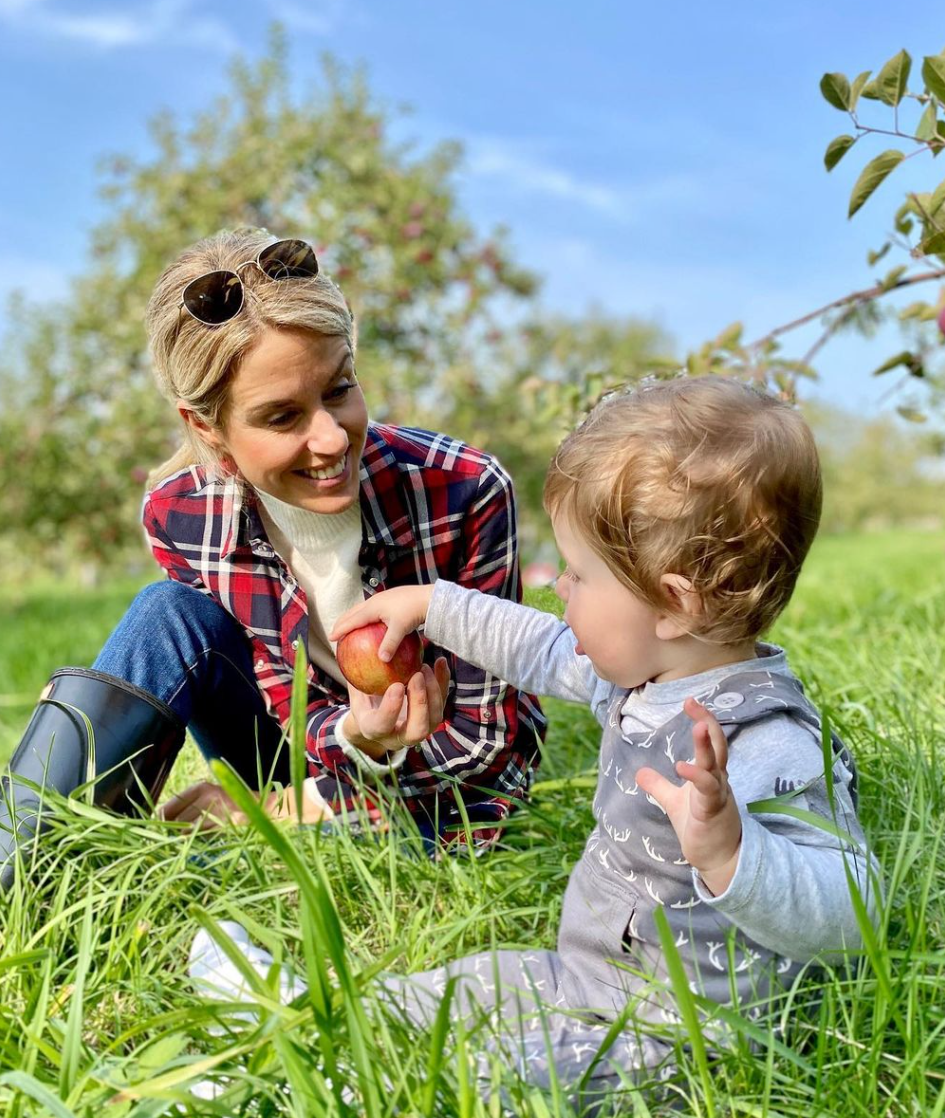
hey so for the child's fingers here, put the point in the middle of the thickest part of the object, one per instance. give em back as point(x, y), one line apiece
point(662, 790)
point(706, 783)
point(716, 735)
point(396, 632)
point(361, 614)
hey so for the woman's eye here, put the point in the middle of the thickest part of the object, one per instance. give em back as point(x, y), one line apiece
point(281, 419)
point(339, 391)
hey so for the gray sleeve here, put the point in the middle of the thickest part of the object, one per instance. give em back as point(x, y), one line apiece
point(790, 892)
point(528, 648)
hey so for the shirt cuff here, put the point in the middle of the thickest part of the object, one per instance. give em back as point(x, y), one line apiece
point(741, 888)
point(394, 760)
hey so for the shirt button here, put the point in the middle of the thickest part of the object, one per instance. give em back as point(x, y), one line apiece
point(260, 664)
point(726, 701)
point(374, 581)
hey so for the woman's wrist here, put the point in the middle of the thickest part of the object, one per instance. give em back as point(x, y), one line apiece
point(376, 750)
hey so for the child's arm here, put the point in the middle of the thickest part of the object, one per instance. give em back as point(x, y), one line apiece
point(526, 647)
point(702, 811)
point(784, 882)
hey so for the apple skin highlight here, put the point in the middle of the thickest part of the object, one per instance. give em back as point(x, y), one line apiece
point(359, 663)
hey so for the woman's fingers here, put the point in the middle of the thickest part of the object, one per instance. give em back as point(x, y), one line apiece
point(417, 725)
point(183, 802)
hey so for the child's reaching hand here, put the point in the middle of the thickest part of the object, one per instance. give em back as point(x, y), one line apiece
point(702, 811)
point(402, 610)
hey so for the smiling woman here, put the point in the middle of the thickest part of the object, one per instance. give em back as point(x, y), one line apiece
point(284, 507)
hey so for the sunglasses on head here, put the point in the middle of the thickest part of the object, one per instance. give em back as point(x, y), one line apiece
point(216, 297)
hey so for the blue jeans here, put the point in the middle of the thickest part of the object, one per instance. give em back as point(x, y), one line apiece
point(183, 647)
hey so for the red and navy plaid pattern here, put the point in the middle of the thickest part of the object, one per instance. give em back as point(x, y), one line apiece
point(431, 507)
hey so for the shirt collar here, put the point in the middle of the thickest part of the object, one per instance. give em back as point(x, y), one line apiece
point(385, 515)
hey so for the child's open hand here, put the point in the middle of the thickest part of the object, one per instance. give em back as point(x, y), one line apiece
point(702, 811)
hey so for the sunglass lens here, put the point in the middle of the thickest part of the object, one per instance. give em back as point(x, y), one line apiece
point(289, 260)
point(214, 298)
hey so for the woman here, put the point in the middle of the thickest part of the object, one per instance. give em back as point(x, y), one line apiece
point(283, 507)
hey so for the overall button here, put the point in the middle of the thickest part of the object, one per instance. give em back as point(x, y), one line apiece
point(727, 700)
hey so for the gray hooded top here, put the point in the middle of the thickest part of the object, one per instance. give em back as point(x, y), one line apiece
point(789, 899)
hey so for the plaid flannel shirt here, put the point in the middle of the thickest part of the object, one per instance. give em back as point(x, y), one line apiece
point(431, 507)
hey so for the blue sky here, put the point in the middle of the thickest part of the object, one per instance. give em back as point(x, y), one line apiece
point(663, 160)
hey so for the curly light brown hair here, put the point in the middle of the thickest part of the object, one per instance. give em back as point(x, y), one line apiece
point(704, 477)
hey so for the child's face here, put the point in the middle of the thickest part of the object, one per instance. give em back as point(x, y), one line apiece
point(615, 629)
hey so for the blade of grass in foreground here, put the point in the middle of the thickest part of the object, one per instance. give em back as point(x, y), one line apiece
point(686, 1004)
point(299, 710)
point(322, 931)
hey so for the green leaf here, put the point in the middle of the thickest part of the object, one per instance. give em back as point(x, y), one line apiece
point(869, 90)
point(28, 1085)
point(938, 199)
point(893, 276)
point(837, 149)
point(912, 415)
point(934, 245)
point(914, 310)
point(836, 90)
point(874, 257)
point(893, 78)
point(925, 129)
point(933, 74)
point(857, 88)
point(730, 337)
point(904, 358)
point(871, 176)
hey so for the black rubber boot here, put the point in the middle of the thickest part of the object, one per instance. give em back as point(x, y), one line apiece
point(135, 738)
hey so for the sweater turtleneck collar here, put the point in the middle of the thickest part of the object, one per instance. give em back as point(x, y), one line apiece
point(311, 532)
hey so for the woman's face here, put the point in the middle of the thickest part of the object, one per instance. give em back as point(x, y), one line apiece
point(295, 421)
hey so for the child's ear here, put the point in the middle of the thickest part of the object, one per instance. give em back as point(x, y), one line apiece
point(684, 605)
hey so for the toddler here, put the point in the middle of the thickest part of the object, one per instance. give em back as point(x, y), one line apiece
point(683, 511)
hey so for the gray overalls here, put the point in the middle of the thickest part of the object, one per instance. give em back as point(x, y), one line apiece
point(609, 956)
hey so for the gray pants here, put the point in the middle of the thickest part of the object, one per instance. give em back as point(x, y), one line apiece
point(513, 1001)
point(510, 1004)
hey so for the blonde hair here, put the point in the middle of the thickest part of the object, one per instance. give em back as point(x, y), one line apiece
point(703, 477)
point(194, 363)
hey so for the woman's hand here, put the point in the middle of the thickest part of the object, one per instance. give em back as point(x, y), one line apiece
point(402, 610)
point(702, 811)
point(207, 806)
point(402, 716)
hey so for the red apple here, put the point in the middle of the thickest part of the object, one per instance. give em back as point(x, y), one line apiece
point(361, 667)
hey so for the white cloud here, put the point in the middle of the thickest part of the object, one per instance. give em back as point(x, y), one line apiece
point(625, 203)
point(489, 158)
point(321, 18)
point(108, 29)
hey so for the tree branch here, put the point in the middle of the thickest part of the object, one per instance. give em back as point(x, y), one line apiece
point(856, 297)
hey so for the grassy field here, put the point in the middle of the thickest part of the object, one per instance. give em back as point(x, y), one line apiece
point(97, 1015)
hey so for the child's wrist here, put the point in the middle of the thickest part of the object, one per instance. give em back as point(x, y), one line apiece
point(718, 877)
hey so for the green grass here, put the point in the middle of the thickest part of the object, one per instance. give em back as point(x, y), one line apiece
point(97, 1015)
